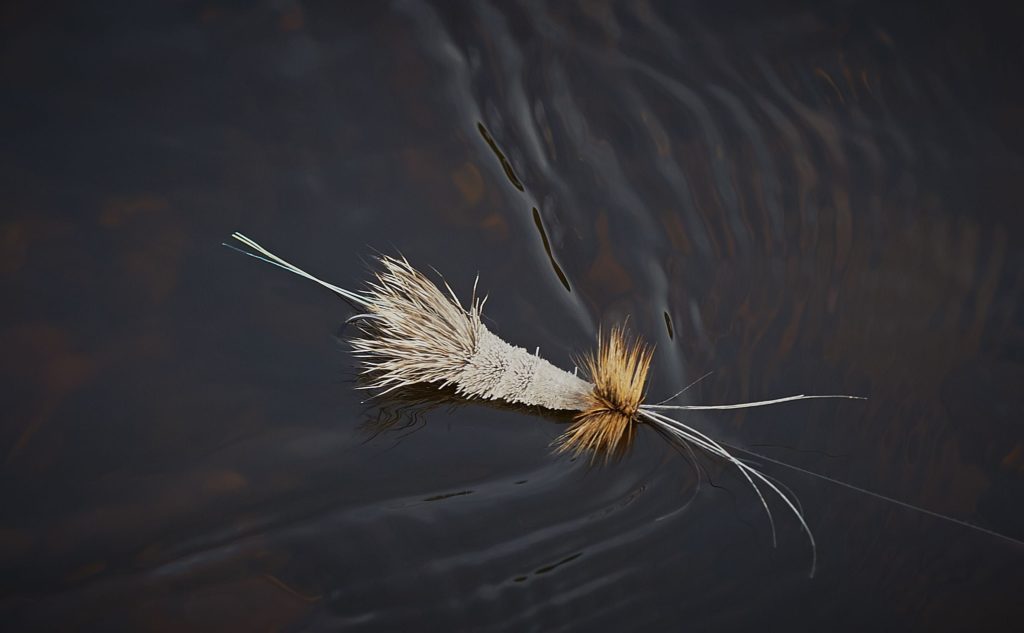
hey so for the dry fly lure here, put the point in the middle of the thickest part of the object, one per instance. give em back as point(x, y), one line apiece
point(412, 333)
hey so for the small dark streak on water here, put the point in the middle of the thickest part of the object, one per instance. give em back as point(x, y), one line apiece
point(668, 326)
point(449, 495)
point(549, 568)
point(547, 249)
point(505, 164)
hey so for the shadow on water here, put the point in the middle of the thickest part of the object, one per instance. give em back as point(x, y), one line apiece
point(803, 198)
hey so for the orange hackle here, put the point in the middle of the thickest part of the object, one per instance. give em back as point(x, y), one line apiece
point(619, 373)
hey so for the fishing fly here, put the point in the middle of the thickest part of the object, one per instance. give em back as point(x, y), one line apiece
point(411, 333)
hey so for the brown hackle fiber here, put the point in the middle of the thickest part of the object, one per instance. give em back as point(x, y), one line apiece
point(618, 371)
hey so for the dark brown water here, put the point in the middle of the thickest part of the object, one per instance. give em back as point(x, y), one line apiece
point(802, 198)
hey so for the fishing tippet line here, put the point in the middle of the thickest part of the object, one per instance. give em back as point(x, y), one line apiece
point(412, 334)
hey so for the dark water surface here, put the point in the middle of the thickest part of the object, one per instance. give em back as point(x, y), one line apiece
point(811, 198)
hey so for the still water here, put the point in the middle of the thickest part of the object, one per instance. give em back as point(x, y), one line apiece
point(801, 198)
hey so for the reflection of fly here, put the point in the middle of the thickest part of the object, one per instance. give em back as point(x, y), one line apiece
point(413, 334)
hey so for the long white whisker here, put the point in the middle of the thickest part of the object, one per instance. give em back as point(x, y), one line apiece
point(270, 258)
point(775, 480)
point(705, 442)
point(743, 405)
point(799, 516)
point(255, 256)
point(745, 469)
point(687, 433)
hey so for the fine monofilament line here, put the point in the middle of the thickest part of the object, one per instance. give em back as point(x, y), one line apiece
point(412, 334)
